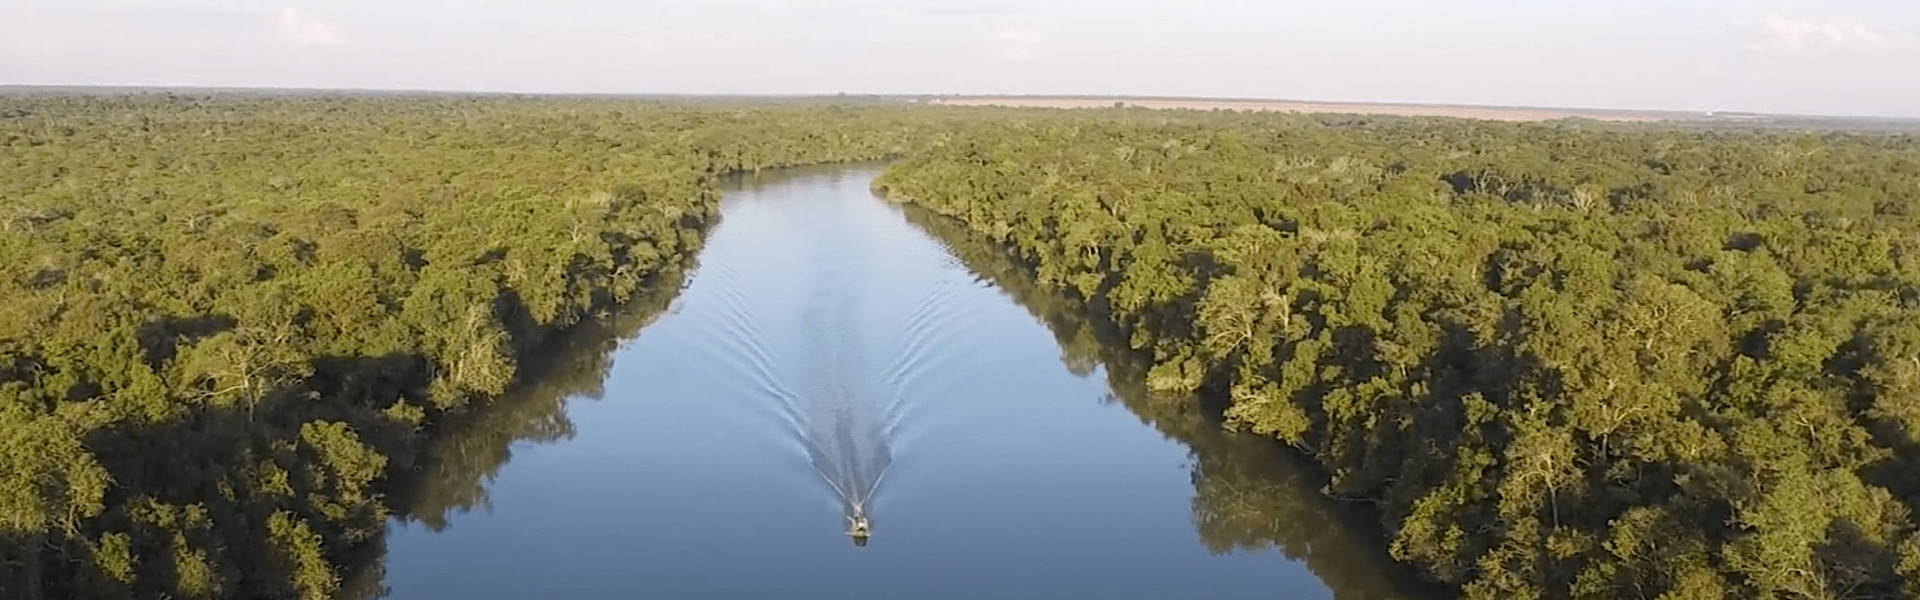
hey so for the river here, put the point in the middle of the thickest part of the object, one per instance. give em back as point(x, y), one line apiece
point(832, 355)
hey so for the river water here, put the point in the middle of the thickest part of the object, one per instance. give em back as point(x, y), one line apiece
point(833, 354)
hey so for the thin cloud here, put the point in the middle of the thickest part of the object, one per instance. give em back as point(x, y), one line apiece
point(829, 10)
point(958, 9)
point(1019, 45)
point(302, 29)
point(925, 8)
point(1801, 36)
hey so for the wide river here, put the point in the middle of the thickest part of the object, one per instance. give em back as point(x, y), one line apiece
point(831, 355)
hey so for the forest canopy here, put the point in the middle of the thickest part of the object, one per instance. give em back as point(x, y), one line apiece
point(229, 322)
point(1560, 360)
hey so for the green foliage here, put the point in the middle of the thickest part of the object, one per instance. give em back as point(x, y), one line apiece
point(1563, 361)
point(299, 551)
point(1250, 494)
point(52, 483)
point(229, 322)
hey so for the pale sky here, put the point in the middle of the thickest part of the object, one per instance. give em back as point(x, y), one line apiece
point(1839, 57)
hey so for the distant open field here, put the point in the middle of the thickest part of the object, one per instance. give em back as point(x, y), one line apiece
point(1500, 113)
point(1675, 118)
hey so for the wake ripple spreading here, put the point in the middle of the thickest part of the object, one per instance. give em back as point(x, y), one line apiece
point(840, 401)
point(846, 418)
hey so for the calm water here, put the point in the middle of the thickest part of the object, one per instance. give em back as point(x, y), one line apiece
point(830, 356)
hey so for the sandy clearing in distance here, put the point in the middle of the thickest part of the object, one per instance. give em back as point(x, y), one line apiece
point(1497, 113)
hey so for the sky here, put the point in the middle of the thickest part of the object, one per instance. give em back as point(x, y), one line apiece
point(1830, 57)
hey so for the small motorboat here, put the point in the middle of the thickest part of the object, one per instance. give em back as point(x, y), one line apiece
point(859, 528)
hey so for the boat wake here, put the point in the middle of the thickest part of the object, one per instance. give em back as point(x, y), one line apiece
point(842, 403)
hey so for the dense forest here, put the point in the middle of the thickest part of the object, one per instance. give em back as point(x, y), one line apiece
point(1560, 360)
point(466, 450)
point(1250, 494)
point(238, 333)
point(231, 323)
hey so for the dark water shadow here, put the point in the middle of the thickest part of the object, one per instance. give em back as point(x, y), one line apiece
point(1251, 493)
point(467, 450)
point(190, 487)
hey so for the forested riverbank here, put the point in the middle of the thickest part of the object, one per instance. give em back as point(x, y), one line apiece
point(1562, 362)
point(1250, 494)
point(231, 322)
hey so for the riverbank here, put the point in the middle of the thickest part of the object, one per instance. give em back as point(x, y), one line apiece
point(1553, 379)
point(234, 319)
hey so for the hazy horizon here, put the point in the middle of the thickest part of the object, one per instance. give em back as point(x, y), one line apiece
point(1847, 58)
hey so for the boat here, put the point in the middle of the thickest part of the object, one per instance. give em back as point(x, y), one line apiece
point(859, 529)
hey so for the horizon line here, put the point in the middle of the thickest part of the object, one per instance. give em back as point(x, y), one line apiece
point(1687, 113)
